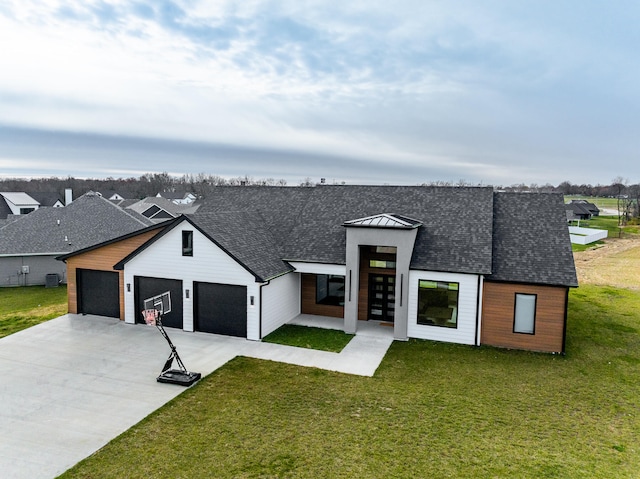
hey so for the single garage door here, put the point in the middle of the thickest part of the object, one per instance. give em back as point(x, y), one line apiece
point(221, 309)
point(146, 288)
point(98, 292)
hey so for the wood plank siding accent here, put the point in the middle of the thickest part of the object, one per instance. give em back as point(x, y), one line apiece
point(498, 310)
point(309, 305)
point(103, 259)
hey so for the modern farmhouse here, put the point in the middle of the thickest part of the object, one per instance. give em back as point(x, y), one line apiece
point(463, 265)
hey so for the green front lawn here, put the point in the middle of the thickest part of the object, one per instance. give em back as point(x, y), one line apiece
point(310, 337)
point(432, 410)
point(23, 307)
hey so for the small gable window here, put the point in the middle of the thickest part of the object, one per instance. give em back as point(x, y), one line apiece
point(187, 243)
point(525, 314)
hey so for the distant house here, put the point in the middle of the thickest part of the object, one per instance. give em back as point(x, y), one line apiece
point(178, 197)
point(590, 207)
point(29, 244)
point(577, 211)
point(48, 199)
point(160, 209)
point(460, 265)
point(17, 203)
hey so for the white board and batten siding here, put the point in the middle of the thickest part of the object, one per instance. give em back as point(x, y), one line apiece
point(280, 302)
point(209, 264)
point(465, 333)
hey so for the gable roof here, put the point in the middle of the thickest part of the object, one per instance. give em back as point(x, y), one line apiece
point(90, 219)
point(237, 234)
point(532, 248)
point(20, 199)
point(47, 198)
point(463, 230)
point(307, 223)
point(152, 206)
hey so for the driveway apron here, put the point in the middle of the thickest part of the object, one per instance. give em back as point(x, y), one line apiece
point(70, 385)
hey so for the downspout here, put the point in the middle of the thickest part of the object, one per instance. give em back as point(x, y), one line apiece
point(479, 309)
point(564, 328)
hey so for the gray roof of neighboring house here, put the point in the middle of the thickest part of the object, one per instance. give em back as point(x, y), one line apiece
point(88, 220)
point(47, 198)
point(532, 248)
point(169, 206)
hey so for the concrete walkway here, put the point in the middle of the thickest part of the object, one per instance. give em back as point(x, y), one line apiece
point(70, 385)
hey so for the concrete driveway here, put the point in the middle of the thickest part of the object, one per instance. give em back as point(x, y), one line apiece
point(70, 385)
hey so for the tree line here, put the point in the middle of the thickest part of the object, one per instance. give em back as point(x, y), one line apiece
point(150, 184)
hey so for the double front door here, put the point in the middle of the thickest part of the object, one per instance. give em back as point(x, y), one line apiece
point(382, 297)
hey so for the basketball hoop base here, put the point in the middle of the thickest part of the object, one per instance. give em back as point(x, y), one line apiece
point(181, 378)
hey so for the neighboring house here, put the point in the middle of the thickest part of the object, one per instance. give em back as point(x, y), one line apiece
point(160, 209)
point(460, 265)
point(590, 207)
point(29, 244)
point(577, 212)
point(178, 197)
point(48, 199)
point(17, 203)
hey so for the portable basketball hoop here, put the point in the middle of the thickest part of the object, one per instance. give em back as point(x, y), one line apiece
point(155, 308)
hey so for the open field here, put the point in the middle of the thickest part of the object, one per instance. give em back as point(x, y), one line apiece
point(432, 410)
point(616, 262)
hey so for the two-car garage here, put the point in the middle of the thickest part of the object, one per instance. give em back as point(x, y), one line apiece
point(217, 308)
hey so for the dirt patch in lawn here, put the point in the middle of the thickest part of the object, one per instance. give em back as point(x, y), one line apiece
point(615, 263)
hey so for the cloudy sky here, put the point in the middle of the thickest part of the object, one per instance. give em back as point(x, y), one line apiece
point(402, 92)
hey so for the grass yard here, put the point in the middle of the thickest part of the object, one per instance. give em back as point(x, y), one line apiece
point(310, 337)
point(432, 410)
point(23, 307)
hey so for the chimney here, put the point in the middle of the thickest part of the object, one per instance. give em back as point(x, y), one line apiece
point(68, 196)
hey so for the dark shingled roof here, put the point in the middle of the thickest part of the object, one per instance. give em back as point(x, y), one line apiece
point(244, 236)
point(515, 237)
point(88, 220)
point(307, 223)
point(532, 248)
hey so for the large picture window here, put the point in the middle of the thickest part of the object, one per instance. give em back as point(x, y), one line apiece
point(525, 314)
point(438, 303)
point(330, 289)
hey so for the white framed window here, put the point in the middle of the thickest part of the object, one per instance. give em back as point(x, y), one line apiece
point(524, 320)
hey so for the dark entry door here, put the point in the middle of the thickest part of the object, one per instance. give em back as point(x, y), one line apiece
point(98, 292)
point(146, 287)
point(221, 309)
point(382, 297)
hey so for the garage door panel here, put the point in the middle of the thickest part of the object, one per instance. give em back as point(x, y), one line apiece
point(147, 287)
point(98, 292)
point(221, 309)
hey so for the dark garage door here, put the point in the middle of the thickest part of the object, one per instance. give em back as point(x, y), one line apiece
point(98, 292)
point(221, 309)
point(146, 287)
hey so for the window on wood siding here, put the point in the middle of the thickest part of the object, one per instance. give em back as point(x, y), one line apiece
point(187, 243)
point(330, 289)
point(524, 320)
